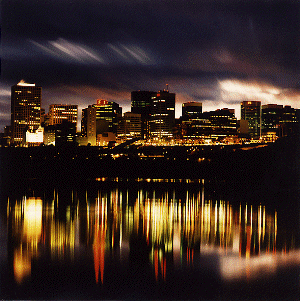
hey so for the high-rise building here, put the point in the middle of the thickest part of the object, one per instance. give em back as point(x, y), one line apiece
point(191, 110)
point(289, 122)
point(162, 115)
point(89, 125)
point(271, 115)
point(25, 110)
point(59, 113)
point(107, 112)
point(213, 125)
point(289, 115)
point(141, 103)
point(99, 119)
point(251, 111)
point(65, 133)
point(278, 121)
point(129, 126)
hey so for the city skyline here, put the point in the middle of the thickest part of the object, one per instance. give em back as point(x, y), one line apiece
point(155, 119)
point(208, 51)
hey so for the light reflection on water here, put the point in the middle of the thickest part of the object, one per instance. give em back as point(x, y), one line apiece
point(180, 233)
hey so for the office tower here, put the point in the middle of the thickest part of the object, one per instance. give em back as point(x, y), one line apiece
point(60, 124)
point(289, 123)
point(129, 126)
point(223, 122)
point(271, 115)
point(191, 110)
point(107, 113)
point(99, 119)
point(25, 110)
point(65, 133)
point(162, 115)
point(251, 111)
point(212, 125)
point(288, 115)
point(141, 103)
point(89, 125)
point(59, 113)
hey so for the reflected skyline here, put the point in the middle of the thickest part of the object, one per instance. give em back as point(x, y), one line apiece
point(179, 231)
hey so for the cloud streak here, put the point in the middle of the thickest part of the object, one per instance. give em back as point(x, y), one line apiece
point(65, 50)
point(132, 54)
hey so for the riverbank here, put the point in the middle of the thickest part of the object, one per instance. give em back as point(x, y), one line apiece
point(272, 167)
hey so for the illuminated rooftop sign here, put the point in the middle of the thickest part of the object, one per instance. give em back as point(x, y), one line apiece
point(22, 83)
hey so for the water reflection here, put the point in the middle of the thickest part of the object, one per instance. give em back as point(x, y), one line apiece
point(181, 231)
point(27, 225)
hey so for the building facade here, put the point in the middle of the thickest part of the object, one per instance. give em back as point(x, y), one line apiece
point(35, 138)
point(141, 103)
point(59, 113)
point(65, 133)
point(162, 115)
point(278, 121)
point(107, 112)
point(98, 120)
point(25, 110)
point(251, 111)
point(271, 116)
point(214, 125)
point(289, 123)
point(89, 124)
point(191, 110)
point(129, 126)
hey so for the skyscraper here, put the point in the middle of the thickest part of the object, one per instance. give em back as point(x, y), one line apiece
point(270, 121)
point(289, 122)
point(129, 126)
point(251, 111)
point(191, 110)
point(59, 113)
point(88, 124)
point(100, 119)
point(25, 110)
point(108, 112)
point(141, 103)
point(211, 125)
point(271, 116)
point(162, 115)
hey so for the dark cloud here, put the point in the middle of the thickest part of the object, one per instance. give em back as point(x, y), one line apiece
point(119, 46)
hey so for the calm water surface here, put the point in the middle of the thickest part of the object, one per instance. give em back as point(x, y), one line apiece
point(145, 239)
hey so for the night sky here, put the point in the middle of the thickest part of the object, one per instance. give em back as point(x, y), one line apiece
point(217, 52)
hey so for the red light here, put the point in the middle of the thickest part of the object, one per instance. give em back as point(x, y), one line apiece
point(102, 102)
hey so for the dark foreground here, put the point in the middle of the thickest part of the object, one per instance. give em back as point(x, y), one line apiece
point(81, 223)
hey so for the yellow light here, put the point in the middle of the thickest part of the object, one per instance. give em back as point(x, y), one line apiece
point(22, 264)
point(33, 219)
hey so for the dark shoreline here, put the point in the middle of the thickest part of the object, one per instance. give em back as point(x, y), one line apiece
point(237, 169)
point(50, 163)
